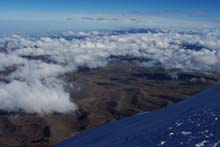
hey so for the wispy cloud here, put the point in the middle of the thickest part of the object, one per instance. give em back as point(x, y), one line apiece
point(106, 19)
point(53, 22)
point(184, 14)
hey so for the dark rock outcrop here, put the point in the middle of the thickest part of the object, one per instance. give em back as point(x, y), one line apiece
point(23, 131)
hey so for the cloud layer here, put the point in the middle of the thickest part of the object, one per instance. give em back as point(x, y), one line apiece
point(30, 66)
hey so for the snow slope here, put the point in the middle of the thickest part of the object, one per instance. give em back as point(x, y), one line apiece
point(191, 123)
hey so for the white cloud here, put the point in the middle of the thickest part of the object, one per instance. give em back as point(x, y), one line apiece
point(35, 97)
point(7, 60)
point(34, 86)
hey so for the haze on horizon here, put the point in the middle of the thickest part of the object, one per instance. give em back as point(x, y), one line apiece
point(43, 16)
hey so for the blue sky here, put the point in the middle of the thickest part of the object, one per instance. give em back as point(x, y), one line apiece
point(206, 9)
point(35, 10)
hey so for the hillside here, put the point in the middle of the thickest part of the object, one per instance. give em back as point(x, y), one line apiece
point(193, 122)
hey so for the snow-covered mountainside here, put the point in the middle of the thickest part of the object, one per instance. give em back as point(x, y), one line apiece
point(191, 123)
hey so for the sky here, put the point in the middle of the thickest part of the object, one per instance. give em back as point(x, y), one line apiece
point(40, 13)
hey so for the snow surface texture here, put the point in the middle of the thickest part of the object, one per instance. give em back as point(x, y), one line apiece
point(30, 66)
point(191, 123)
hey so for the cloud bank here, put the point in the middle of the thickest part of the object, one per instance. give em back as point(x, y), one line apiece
point(30, 67)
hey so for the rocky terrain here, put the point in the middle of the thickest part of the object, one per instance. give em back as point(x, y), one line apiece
point(105, 94)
